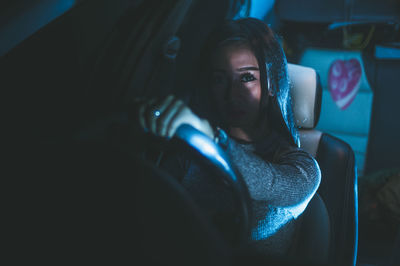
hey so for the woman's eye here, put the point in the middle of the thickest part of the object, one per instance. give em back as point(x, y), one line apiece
point(247, 77)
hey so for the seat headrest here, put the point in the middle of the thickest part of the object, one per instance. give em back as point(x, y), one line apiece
point(306, 95)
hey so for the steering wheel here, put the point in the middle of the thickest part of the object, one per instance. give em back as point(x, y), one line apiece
point(213, 155)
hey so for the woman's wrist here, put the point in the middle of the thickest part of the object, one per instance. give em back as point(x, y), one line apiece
point(221, 138)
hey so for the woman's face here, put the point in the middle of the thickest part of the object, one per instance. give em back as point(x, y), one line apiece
point(235, 85)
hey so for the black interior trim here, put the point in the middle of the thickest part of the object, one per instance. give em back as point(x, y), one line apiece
point(318, 100)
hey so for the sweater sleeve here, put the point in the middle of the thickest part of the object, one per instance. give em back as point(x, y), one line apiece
point(290, 178)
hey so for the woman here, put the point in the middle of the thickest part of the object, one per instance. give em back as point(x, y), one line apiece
point(249, 94)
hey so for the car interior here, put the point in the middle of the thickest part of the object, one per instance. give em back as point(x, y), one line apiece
point(86, 185)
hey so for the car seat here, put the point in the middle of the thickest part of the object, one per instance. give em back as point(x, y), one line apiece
point(338, 188)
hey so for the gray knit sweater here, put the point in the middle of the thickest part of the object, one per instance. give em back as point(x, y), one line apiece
point(281, 180)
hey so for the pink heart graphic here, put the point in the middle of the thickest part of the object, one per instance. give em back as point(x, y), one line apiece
point(344, 81)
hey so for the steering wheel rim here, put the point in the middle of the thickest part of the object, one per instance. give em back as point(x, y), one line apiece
point(201, 144)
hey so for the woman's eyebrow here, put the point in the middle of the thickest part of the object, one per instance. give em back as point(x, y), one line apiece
point(248, 68)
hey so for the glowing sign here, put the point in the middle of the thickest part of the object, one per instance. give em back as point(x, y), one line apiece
point(344, 80)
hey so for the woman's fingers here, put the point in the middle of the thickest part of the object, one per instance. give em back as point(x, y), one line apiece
point(176, 120)
point(165, 119)
point(157, 111)
point(145, 118)
point(184, 116)
point(155, 115)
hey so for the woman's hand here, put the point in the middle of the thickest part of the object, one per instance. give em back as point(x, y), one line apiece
point(164, 117)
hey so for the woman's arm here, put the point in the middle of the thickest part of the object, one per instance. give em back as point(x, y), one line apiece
point(292, 178)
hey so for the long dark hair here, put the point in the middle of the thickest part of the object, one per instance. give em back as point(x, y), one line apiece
point(272, 64)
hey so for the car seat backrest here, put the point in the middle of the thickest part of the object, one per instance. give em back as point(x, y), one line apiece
point(306, 95)
point(338, 188)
